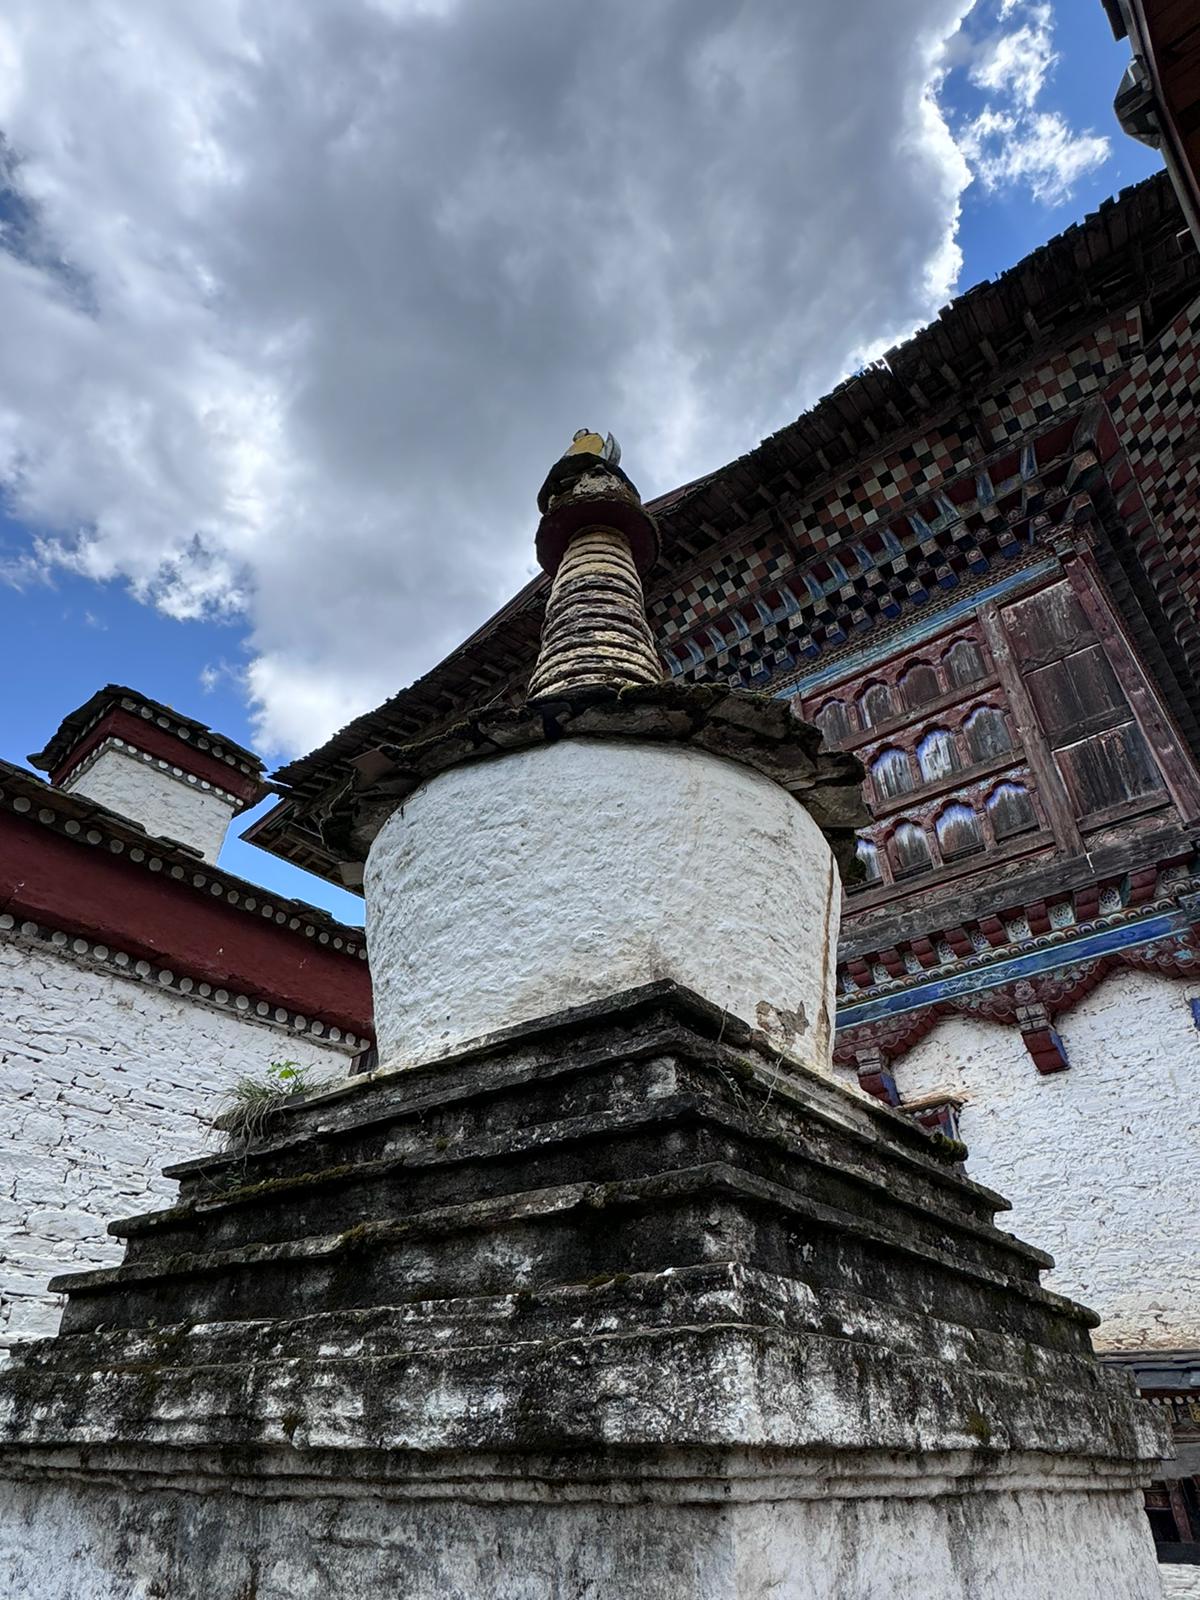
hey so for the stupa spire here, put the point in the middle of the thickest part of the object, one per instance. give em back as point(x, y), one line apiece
point(596, 540)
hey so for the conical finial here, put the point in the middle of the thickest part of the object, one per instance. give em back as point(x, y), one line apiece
point(596, 540)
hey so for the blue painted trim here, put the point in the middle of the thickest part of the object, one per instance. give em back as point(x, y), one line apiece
point(919, 631)
point(1126, 937)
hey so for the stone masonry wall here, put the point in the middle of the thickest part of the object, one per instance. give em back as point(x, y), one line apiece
point(1099, 1160)
point(103, 1081)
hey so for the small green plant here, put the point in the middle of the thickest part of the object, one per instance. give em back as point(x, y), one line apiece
point(252, 1103)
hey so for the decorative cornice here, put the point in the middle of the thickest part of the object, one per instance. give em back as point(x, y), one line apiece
point(127, 749)
point(120, 963)
point(935, 950)
point(1028, 990)
point(1030, 568)
point(1104, 936)
point(75, 728)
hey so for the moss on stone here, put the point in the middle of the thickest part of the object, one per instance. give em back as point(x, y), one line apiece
point(357, 1238)
point(272, 1186)
point(979, 1427)
point(947, 1150)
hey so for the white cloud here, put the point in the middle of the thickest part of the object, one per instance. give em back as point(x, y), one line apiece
point(1017, 63)
point(301, 300)
point(1039, 151)
point(1012, 142)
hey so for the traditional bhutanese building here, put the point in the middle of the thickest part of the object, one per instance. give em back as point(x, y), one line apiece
point(138, 981)
point(976, 565)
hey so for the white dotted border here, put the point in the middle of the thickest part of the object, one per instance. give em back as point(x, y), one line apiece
point(291, 914)
point(214, 747)
point(121, 963)
point(201, 740)
point(127, 749)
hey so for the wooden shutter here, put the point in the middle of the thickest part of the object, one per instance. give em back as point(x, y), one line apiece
point(1087, 721)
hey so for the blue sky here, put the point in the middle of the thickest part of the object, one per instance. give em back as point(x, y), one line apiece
point(1000, 227)
point(102, 635)
point(278, 370)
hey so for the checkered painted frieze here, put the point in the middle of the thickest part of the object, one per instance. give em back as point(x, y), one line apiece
point(935, 514)
point(1155, 411)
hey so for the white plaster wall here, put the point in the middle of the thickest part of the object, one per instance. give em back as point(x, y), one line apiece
point(1100, 1162)
point(1180, 1582)
point(513, 888)
point(103, 1081)
point(165, 805)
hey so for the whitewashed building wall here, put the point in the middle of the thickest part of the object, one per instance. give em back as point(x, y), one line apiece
point(103, 1081)
point(168, 802)
point(1100, 1161)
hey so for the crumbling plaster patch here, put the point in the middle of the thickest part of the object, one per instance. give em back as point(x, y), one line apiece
point(1099, 1161)
point(102, 1082)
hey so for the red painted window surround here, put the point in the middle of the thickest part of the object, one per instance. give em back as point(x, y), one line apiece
point(85, 891)
point(165, 746)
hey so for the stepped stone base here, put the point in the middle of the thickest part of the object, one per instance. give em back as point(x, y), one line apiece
point(615, 1305)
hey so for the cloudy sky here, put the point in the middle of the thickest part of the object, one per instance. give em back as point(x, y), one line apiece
point(298, 301)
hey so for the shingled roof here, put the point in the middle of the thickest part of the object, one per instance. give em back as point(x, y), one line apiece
point(75, 725)
point(1127, 253)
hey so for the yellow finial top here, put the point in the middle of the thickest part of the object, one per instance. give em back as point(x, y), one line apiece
point(587, 443)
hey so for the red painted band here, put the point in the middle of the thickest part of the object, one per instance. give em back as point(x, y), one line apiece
point(164, 746)
point(86, 891)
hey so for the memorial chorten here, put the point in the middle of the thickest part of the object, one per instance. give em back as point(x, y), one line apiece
point(599, 1286)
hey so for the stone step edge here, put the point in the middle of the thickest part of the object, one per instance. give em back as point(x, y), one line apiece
point(718, 1355)
point(676, 1110)
point(543, 1204)
point(166, 1341)
point(686, 1475)
point(907, 1143)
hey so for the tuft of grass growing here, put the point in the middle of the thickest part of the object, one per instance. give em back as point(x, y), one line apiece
point(252, 1103)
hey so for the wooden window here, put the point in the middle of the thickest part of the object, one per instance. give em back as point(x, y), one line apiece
point(1010, 810)
point(1073, 695)
point(958, 831)
point(908, 849)
point(987, 735)
point(963, 663)
point(1048, 624)
point(868, 855)
point(891, 773)
point(1109, 769)
point(875, 704)
point(1087, 721)
point(919, 685)
point(833, 719)
point(937, 755)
